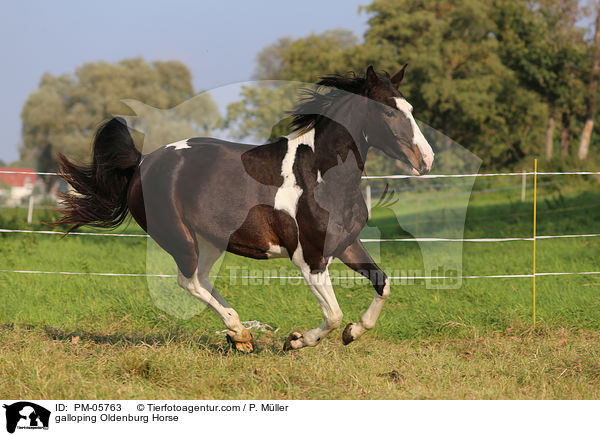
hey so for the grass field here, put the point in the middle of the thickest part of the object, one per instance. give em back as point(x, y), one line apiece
point(103, 337)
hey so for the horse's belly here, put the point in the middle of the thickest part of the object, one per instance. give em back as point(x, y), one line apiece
point(265, 233)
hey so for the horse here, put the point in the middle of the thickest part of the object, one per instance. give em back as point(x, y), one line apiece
point(298, 197)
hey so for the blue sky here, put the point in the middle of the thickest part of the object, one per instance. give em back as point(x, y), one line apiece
point(218, 41)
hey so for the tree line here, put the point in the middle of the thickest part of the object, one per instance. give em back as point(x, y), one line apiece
point(65, 110)
point(507, 79)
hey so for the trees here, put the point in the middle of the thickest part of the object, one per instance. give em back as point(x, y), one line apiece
point(496, 76)
point(65, 110)
point(260, 114)
point(303, 60)
point(540, 42)
point(591, 97)
point(457, 81)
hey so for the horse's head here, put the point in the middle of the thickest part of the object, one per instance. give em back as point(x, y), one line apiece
point(390, 125)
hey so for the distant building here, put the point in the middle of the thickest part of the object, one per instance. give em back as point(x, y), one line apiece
point(16, 184)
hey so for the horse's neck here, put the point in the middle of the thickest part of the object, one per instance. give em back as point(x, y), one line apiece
point(335, 146)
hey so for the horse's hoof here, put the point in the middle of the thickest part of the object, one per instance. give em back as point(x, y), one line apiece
point(289, 342)
point(242, 346)
point(347, 335)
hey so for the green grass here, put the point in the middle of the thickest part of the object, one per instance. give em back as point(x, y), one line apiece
point(104, 337)
point(514, 364)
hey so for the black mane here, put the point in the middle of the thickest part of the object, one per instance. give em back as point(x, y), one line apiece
point(313, 103)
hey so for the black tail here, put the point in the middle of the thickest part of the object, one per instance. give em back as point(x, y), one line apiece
point(100, 199)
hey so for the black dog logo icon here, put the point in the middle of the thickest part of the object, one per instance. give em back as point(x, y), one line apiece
point(26, 415)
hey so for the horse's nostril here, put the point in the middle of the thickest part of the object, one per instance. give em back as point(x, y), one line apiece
point(426, 164)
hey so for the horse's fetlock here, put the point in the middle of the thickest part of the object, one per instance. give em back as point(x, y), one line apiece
point(335, 320)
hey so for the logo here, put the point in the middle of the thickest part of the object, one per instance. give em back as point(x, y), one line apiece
point(26, 415)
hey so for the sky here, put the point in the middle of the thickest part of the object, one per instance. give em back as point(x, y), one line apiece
point(218, 41)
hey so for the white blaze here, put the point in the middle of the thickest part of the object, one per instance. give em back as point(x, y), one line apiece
point(418, 138)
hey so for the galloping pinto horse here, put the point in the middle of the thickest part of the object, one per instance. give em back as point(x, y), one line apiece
point(298, 197)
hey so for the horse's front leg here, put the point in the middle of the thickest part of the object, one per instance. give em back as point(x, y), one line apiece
point(319, 282)
point(358, 258)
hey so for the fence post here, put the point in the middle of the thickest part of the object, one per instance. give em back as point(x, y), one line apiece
point(534, 230)
point(368, 199)
point(30, 210)
point(523, 186)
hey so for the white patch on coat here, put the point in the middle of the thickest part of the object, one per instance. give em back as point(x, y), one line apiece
point(319, 178)
point(289, 192)
point(418, 138)
point(307, 138)
point(298, 259)
point(179, 145)
point(276, 251)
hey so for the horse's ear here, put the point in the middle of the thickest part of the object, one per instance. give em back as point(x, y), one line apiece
point(397, 78)
point(372, 78)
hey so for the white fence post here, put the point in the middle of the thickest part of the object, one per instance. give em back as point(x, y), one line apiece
point(523, 186)
point(30, 210)
point(368, 199)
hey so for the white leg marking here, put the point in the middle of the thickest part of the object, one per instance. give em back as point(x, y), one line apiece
point(320, 285)
point(418, 138)
point(200, 287)
point(179, 145)
point(369, 318)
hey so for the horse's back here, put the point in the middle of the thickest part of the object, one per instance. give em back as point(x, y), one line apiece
point(210, 184)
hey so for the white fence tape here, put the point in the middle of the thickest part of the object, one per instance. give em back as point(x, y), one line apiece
point(52, 232)
point(70, 273)
point(28, 173)
point(477, 239)
point(396, 176)
point(300, 277)
point(589, 235)
point(447, 176)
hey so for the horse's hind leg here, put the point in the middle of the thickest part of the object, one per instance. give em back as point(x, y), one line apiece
point(195, 257)
point(358, 258)
point(319, 283)
point(200, 287)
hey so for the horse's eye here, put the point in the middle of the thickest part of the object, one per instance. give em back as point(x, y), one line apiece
point(389, 113)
